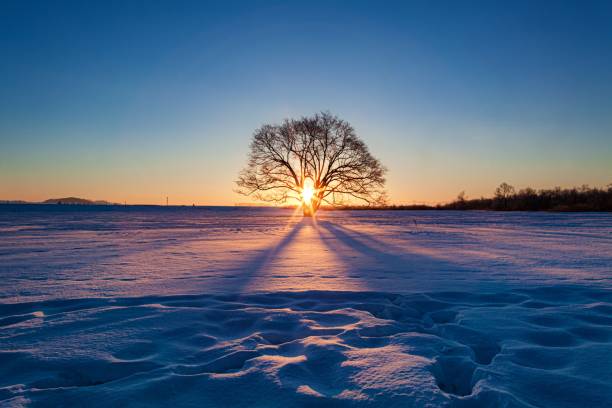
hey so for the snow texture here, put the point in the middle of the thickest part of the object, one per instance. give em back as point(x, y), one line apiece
point(218, 307)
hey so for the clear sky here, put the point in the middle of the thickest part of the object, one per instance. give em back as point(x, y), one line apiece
point(135, 101)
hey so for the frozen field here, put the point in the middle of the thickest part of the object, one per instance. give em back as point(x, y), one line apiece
point(118, 306)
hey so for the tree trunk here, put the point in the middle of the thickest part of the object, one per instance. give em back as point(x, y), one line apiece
point(308, 211)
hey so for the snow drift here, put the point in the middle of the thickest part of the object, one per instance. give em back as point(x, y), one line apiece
point(220, 307)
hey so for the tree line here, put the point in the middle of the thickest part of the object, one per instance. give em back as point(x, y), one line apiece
point(507, 198)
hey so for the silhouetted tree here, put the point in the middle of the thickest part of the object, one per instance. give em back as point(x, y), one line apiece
point(459, 202)
point(502, 194)
point(313, 160)
point(504, 190)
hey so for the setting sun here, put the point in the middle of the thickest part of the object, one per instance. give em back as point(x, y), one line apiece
point(307, 191)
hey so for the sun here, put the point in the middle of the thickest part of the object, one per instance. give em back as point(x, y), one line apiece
point(307, 191)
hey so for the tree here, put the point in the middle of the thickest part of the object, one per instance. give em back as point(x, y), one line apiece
point(312, 160)
point(504, 191)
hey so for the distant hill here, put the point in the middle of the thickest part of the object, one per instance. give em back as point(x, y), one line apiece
point(75, 201)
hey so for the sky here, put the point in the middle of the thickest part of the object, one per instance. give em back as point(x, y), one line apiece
point(134, 102)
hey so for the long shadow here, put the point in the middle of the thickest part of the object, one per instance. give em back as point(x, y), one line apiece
point(408, 264)
point(347, 237)
point(254, 266)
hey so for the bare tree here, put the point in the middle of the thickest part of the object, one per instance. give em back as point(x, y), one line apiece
point(504, 191)
point(312, 160)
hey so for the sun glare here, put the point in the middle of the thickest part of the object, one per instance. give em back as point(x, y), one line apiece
point(307, 191)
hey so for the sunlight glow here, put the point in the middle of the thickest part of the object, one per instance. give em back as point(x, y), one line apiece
point(307, 191)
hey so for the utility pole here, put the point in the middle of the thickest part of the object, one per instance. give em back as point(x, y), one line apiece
point(166, 201)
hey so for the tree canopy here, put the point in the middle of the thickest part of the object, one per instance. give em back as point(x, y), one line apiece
point(318, 157)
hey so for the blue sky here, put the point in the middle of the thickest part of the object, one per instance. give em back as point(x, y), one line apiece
point(135, 101)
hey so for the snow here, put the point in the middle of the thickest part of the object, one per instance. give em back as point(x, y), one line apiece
point(141, 306)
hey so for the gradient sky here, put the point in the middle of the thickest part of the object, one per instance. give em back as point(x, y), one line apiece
point(135, 101)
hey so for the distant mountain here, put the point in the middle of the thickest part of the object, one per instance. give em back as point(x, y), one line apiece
point(76, 201)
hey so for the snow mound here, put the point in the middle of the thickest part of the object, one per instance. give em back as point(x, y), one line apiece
point(540, 347)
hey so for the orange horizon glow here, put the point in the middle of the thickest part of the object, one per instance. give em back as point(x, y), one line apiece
point(216, 189)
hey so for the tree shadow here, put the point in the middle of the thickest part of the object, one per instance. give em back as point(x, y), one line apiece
point(370, 263)
point(348, 238)
point(381, 265)
point(254, 266)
